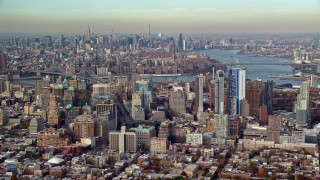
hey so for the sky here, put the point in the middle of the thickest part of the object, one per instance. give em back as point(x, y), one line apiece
point(166, 16)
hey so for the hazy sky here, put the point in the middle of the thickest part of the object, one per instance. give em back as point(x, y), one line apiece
point(167, 16)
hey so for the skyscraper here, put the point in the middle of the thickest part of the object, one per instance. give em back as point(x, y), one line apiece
point(302, 105)
point(237, 83)
point(219, 92)
point(144, 88)
point(53, 114)
point(3, 62)
point(268, 95)
point(177, 100)
point(199, 97)
point(254, 95)
point(274, 128)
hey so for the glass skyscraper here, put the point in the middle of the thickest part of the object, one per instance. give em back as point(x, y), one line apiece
point(236, 89)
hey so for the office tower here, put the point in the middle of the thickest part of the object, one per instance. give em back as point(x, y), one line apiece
point(199, 97)
point(144, 135)
point(221, 127)
point(244, 108)
point(62, 41)
point(36, 125)
point(194, 139)
point(180, 42)
point(274, 128)
point(158, 145)
point(149, 35)
point(47, 41)
point(254, 95)
point(144, 88)
point(38, 87)
point(268, 96)
point(302, 105)
point(53, 137)
point(53, 112)
point(237, 83)
point(123, 141)
point(219, 92)
point(138, 113)
point(4, 117)
point(88, 36)
point(235, 124)
point(105, 123)
point(84, 126)
point(184, 45)
point(106, 105)
point(263, 120)
point(177, 100)
point(3, 62)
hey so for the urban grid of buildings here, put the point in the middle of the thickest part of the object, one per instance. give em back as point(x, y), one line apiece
point(87, 107)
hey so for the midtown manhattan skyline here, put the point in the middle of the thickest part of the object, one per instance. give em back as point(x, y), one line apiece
point(125, 16)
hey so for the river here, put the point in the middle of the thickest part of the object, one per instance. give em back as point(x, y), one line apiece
point(252, 71)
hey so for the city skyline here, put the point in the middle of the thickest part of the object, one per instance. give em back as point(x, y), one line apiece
point(219, 16)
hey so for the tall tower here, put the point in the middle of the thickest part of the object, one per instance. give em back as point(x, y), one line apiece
point(53, 114)
point(302, 105)
point(237, 83)
point(199, 96)
point(219, 92)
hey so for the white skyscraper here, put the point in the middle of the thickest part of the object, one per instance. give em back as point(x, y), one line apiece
point(302, 105)
point(199, 97)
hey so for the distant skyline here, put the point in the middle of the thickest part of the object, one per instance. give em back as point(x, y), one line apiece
point(166, 16)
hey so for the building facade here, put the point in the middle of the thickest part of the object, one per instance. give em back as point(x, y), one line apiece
point(237, 83)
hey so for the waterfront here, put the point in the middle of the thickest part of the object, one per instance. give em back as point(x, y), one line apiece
point(264, 72)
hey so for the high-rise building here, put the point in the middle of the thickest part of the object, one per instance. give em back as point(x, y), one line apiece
point(254, 95)
point(38, 87)
point(144, 88)
point(144, 135)
point(237, 83)
point(4, 117)
point(84, 126)
point(180, 42)
point(263, 120)
point(105, 123)
point(36, 125)
point(177, 100)
point(53, 112)
point(47, 41)
point(219, 92)
point(199, 97)
point(123, 141)
point(3, 62)
point(274, 128)
point(302, 104)
point(221, 127)
point(268, 96)
point(235, 124)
